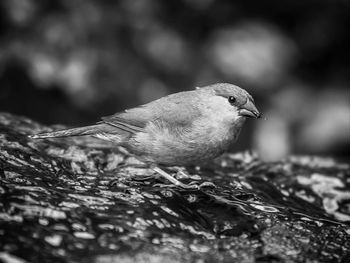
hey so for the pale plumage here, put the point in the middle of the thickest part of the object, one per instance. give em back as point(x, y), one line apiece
point(180, 129)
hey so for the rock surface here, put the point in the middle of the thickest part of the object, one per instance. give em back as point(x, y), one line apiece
point(77, 200)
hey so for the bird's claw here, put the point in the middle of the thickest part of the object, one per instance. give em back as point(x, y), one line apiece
point(180, 174)
point(207, 184)
point(192, 186)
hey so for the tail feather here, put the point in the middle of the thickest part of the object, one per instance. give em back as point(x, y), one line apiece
point(87, 130)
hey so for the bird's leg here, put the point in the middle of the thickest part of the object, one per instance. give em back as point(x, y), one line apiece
point(181, 173)
point(172, 179)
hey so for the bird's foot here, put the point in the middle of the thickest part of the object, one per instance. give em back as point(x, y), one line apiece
point(207, 184)
point(177, 183)
point(181, 185)
point(181, 173)
point(191, 186)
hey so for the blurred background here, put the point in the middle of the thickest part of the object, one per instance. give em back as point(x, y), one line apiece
point(73, 61)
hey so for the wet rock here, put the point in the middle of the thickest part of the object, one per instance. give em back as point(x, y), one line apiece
point(78, 200)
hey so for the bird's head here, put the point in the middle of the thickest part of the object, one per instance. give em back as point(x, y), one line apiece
point(231, 98)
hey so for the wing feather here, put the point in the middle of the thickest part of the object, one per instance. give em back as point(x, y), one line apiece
point(172, 110)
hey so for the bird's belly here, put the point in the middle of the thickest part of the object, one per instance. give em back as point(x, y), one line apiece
point(174, 154)
point(169, 147)
point(182, 154)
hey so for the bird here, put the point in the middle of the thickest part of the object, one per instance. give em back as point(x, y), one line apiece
point(181, 129)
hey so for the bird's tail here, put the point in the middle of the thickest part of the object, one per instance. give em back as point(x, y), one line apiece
point(87, 130)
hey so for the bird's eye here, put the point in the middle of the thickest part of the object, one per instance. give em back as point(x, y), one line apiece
point(231, 99)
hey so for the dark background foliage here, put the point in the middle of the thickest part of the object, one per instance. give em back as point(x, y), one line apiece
point(72, 61)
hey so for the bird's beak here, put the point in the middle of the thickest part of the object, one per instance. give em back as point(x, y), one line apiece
point(249, 110)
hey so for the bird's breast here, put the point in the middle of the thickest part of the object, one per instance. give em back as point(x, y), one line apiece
point(172, 145)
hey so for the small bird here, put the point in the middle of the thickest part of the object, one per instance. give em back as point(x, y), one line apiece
point(180, 129)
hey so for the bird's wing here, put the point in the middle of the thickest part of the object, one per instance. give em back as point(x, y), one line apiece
point(174, 111)
point(132, 120)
